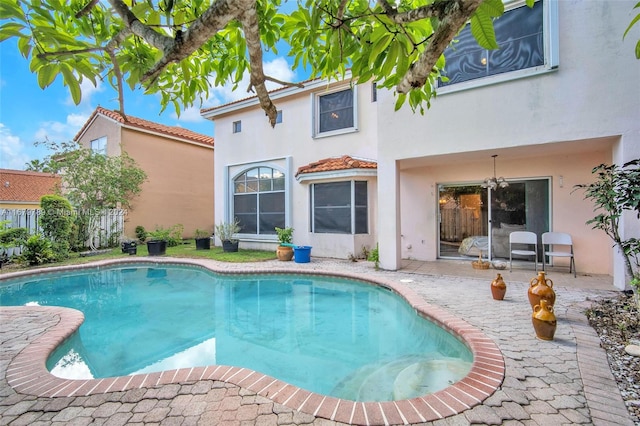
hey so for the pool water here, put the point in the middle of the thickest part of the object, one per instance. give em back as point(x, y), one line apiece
point(331, 336)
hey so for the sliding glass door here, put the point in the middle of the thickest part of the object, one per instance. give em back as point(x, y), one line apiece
point(476, 220)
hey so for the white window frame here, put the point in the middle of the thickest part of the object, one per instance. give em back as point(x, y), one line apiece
point(550, 29)
point(101, 147)
point(231, 171)
point(316, 111)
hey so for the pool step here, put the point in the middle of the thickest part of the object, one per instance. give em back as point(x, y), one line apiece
point(403, 378)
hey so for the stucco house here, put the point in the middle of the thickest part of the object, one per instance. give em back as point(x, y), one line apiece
point(560, 97)
point(21, 189)
point(178, 163)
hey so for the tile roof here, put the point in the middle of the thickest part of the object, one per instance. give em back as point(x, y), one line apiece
point(23, 186)
point(337, 163)
point(148, 126)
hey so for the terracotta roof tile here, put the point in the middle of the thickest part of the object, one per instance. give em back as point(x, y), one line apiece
point(150, 126)
point(337, 163)
point(22, 186)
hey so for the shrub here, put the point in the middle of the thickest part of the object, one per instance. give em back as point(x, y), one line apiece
point(37, 250)
point(13, 236)
point(141, 233)
point(56, 221)
point(285, 235)
point(173, 235)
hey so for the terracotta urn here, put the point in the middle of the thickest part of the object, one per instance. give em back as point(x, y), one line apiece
point(544, 320)
point(284, 253)
point(498, 288)
point(540, 288)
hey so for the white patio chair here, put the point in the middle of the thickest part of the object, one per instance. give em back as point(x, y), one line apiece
point(523, 237)
point(555, 239)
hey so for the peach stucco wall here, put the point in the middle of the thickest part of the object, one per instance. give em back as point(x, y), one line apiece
point(179, 187)
point(569, 209)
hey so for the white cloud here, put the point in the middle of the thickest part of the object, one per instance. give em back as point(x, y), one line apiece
point(11, 150)
point(56, 131)
point(191, 115)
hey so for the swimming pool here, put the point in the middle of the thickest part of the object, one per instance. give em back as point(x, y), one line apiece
point(486, 374)
point(332, 336)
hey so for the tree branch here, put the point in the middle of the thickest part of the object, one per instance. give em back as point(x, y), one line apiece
point(213, 20)
point(85, 10)
point(456, 14)
point(249, 21)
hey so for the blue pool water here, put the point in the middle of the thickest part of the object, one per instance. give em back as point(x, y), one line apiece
point(332, 336)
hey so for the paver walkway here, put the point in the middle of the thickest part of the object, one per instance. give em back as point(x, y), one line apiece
point(564, 381)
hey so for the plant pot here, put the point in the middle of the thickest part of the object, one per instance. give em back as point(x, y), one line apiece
point(229, 246)
point(284, 253)
point(157, 248)
point(203, 243)
point(302, 254)
point(130, 248)
point(498, 288)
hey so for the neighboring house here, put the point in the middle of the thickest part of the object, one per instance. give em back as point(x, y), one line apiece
point(178, 163)
point(20, 189)
point(560, 97)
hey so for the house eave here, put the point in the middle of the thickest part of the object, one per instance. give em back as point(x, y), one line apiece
point(336, 174)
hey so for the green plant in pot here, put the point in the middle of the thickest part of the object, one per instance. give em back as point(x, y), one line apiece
point(284, 251)
point(225, 231)
point(203, 239)
point(157, 241)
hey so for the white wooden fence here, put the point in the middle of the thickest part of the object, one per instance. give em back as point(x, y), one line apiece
point(110, 223)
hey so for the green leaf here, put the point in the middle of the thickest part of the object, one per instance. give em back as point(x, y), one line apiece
point(402, 97)
point(482, 30)
point(493, 8)
point(638, 50)
point(47, 74)
point(11, 29)
point(72, 83)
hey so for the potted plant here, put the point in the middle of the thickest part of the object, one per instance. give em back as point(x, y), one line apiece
point(285, 248)
point(157, 241)
point(225, 232)
point(128, 245)
point(203, 239)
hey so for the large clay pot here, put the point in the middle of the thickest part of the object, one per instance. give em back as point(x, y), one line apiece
point(498, 288)
point(544, 320)
point(284, 253)
point(540, 288)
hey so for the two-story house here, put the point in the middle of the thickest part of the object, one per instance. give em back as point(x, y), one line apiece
point(559, 97)
point(178, 163)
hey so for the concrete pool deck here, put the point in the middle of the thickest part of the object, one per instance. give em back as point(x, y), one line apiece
point(565, 381)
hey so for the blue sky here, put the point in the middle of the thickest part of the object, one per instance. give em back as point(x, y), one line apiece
point(29, 114)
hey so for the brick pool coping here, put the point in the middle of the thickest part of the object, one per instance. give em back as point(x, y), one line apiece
point(27, 372)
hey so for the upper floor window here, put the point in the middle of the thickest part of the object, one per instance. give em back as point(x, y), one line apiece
point(99, 146)
point(279, 117)
point(335, 112)
point(259, 200)
point(525, 37)
point(237, 126)
point(339, 207)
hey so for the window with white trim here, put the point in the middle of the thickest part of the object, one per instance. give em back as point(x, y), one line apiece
point(259, 200)
point(526, 38)
point(339, 207)
point(335, 112)
point(99, 146)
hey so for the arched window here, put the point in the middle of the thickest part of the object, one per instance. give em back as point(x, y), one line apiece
point(258, 200)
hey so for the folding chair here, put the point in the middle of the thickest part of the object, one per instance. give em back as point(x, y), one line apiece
point(555, 239)
point(523, 237)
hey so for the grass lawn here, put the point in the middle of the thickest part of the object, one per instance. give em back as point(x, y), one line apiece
point(187, 249)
